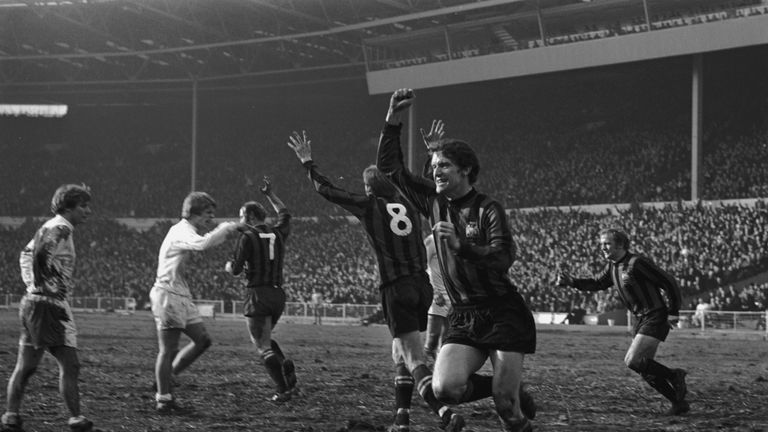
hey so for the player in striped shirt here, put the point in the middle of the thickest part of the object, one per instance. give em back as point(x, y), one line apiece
point(47, 265)
point(394, 231)
point(174, 311)
point(640, 283)
point(489, 318)
point(260, 253)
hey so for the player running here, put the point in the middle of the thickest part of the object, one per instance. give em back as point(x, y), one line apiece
point(640, 282)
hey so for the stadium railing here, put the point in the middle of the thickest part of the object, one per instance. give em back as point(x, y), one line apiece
point(295, 311)
point(725, 321)
point(298, 312)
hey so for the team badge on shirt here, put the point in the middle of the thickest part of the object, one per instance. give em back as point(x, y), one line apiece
point(472, 232)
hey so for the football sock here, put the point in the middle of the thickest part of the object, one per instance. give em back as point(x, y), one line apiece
point(276, 348)
point(423, 378)
point(661, 385)
point(403, 388)
point(274, 367)
point(478, 387)
point(652, 367)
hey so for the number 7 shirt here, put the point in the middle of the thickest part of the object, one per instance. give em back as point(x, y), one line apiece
point(392, 225)
point(261, 252)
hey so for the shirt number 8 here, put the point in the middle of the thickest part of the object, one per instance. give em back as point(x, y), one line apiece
point(400, 224)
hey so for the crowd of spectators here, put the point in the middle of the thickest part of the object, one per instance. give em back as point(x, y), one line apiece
point(540, 144)
point(522, 167)
point(706, 248)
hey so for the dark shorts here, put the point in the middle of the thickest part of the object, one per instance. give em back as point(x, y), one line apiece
point(654, 324)
point(405, 303)
point(46, 323)
point(264, 301)
point(505, 325)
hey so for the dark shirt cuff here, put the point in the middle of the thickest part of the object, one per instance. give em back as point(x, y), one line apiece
point(393, 130)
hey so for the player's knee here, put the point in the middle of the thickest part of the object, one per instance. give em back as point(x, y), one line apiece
point(447, 394)
point(636, 364)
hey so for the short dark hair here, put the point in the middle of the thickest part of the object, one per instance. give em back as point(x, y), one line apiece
point(461, 154)
point(69, 196)
point(195, 204)
point(379, 183)
point(618, 236)
point(256, 209)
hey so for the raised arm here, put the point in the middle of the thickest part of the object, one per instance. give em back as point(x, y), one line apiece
point(431, 141)
point(389, 158)
point(301, 145)
point(276, 202)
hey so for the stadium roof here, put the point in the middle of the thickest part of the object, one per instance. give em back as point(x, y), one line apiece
point(61, 45)
point(98, 47)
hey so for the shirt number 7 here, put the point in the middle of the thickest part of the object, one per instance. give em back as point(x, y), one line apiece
point(271, 237)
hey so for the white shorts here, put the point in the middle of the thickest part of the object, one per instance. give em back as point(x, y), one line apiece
point(442, 311)
point(173, 311)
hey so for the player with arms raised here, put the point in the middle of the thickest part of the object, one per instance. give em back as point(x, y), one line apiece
point(474, 245)
point(394, 231)
point(260, 253)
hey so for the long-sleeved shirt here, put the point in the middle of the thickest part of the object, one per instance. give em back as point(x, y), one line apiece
point(260, 252)
point(639, 282)
point(181, 240)
point(392, 225)
point(48, 260)
point(477, 272)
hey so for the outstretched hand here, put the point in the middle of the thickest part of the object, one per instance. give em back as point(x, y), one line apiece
point(300, 143)
point(435, 134)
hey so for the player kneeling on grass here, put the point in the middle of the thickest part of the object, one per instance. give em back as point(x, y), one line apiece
point(260, 252)
point(640, 282)
point(393, 229)
point(489, 319)
point(172, 305)
point(47, 264)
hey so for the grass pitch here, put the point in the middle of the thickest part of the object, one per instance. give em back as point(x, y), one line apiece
point(345, 373)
